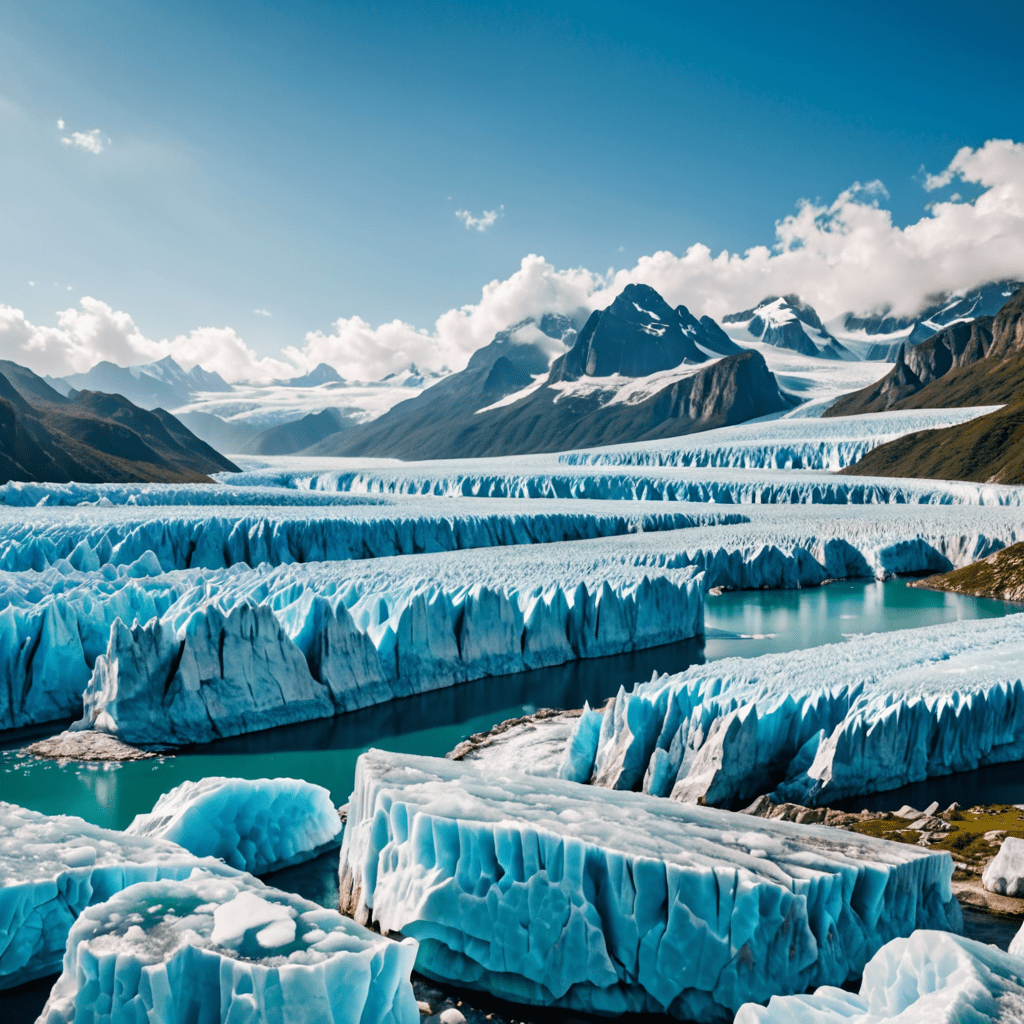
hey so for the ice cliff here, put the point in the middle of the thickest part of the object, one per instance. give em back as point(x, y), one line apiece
point(545, 892)
point(211, 948)
point(866, 715)
point(255, 825)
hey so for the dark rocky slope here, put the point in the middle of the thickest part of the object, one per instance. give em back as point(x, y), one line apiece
point(94, 438)
point(1000, 576)
point(288, 438)
point(977, 362)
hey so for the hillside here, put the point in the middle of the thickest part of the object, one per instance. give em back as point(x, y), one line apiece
point(93, 438)
point(1000, 576)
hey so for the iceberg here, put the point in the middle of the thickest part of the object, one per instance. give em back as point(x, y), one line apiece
point(929, 978)
point(1005, 872)
point(870, 714)
point(54, 867)
point(211, 948)
point(255, 825)
point(545, 892)
point(247, 649)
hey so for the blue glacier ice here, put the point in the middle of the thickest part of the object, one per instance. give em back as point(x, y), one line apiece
point(255, 825)
point(928, 978)
point(211, 948)
point(546, 892)
point(243, 649)
point(53, 867)
point(213, 536)
point(867, 715)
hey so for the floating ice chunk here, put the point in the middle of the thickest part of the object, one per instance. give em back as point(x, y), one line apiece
point(1005, 872)
point(546, 892)
point(255, 825)
point(929, 978)
point(228, 949)
point(53, 868)
point(870, 714)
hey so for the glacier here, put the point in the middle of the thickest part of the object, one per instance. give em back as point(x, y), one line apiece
point(210, 948)
point(867, 715)
point(213, 537)
point(544, 892)
point(928, 978)
point(56, 623)
point(255, 825)
point(781, 443)
point(520, 478)
point(244, 649)
point(53, 867)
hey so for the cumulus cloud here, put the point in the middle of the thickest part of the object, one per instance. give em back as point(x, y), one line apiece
point(481, 223)
point(262, 312)
point(842, 256)
point(60, 123)
point(94, 331)
point(93, 141)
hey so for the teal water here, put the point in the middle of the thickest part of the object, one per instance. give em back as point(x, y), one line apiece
point(741, 623)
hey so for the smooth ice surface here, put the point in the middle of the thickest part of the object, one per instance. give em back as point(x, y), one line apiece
point(347, 526)
point(929, 978)
point(210, 948)
point(863, 716)
point(255, 825)
point(1005, 872)
point(53, 867)
point(781, 443)
point(238, 650)
point(546, 892)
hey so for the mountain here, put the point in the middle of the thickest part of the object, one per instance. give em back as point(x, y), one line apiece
point(92, 438)
point(323, 373)
point(787, 322)
point(149, 385)
point(288, 438)
point(943, 312)
point(987, 449)
point(224, 435)
point(974, 362)
point(524, 392)
point(640, 334)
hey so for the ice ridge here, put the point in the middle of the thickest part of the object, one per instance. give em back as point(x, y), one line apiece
point(867, 715)
point(548, 893)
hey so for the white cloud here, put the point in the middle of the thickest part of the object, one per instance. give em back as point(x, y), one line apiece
point(60, 123)
point(262, 312)
point(94, 331)
point(840, 256)
point(481, 223)
point(93, 141)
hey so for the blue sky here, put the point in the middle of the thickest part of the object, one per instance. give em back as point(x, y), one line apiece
point(308, 159)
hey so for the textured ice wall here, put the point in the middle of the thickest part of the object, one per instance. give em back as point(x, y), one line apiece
point(867, 715)
point(241, 650)
point(228, 949)
point(54, 624)
point(53, 867)
point(799, 443)
point(213, 537)
point(929, 978)
point(517, 478)
point(546, 892)
point(255, 825)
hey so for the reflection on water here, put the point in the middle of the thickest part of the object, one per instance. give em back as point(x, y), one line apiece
point(432, 723)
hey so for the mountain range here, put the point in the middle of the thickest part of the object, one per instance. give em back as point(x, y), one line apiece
point(970, 364)
point(92, 437)
point(787, 322)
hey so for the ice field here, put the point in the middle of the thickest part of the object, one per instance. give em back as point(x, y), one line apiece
point(870, 714)
point(546, 892)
